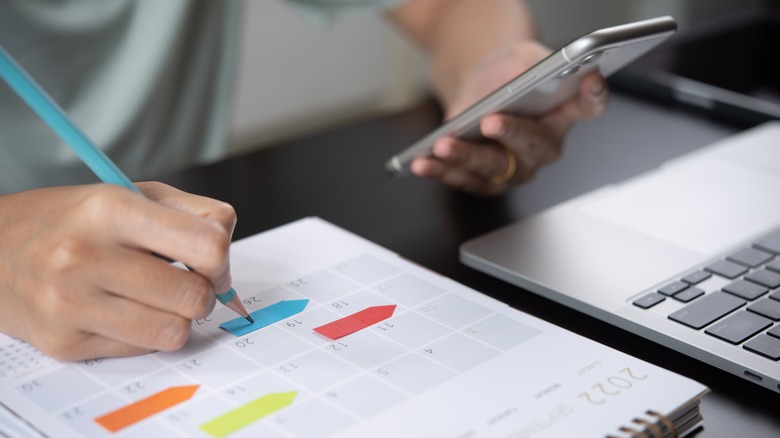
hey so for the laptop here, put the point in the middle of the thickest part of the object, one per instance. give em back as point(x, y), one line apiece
point(687, 255)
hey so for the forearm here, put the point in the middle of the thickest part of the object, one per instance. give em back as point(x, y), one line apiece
point(457, 34)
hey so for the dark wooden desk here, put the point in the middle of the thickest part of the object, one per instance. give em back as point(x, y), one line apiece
point(338, 176)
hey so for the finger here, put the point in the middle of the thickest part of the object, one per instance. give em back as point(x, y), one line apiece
point(196, 241)
point(92, 346)
point(531, 141)
point(454, 177)
point(474, 168)
point(589, 102)
point(135, 324)
point(483, 160)
point(132, 274)
point(64, 329)
point(219, 211)
point(84, 325)
point(154, 282)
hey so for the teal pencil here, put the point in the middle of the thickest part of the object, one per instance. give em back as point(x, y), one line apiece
point(108, 172)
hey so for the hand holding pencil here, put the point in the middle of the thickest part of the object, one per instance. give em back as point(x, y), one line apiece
point(80, 269)
point(78, 277)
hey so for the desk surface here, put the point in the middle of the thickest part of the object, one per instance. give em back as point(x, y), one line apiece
point(338, 175)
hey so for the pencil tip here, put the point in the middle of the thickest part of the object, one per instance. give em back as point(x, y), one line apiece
point(249, 318)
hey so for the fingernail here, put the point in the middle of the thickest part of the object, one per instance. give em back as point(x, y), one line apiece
point(445, 149)
point(417, 167)
point(597, 88)
point(494, 128)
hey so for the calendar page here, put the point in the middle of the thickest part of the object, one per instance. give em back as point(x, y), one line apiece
point(351, 340)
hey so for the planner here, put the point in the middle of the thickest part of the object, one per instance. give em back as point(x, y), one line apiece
point(351, 340)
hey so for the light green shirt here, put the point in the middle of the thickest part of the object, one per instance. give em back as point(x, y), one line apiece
point(149, 81)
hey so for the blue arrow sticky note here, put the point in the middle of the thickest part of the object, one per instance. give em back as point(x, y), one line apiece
point(265, 316)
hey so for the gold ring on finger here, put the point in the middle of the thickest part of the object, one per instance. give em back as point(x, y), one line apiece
point(511, 168)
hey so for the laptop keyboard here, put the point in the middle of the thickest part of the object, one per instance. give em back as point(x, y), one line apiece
point(745, 310)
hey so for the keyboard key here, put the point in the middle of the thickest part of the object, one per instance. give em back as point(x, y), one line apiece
point(775, 295)
point(727, 269)
point(751, 257)
point(673, 288)
point(764, 345)
point(765, 277)
point(709, 308)
point(690, 294)
point(696, 277)
point(770, 244)
point(738, 327)
point(651, 300)
point(745, 289)
point(775, 266)
point(775, 331)
point(766, 307)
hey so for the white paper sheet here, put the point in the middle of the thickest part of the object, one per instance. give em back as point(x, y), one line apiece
point(450, 362)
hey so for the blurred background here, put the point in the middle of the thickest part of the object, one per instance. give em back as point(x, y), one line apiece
point(299, 75)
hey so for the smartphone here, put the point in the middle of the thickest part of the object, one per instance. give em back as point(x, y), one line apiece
point(547, 84)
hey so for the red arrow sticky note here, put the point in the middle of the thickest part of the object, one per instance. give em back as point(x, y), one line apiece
point(356, 321)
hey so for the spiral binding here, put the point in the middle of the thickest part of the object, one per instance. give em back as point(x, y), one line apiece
point(662, 428)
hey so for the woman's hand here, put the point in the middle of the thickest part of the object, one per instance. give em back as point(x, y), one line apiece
point(78, 274)
point(519, 146)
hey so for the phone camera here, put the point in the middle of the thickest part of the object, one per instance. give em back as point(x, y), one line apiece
point(568, 72)
point(592, 57)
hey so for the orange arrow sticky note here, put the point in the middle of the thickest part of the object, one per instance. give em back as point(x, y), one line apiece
point(147, 407)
